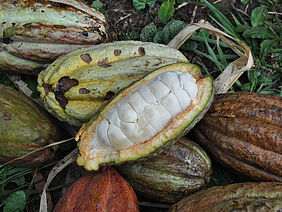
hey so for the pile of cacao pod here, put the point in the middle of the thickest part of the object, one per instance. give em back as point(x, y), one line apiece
point(135, 103)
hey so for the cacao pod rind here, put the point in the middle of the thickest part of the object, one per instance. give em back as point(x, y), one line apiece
point(75, 86)
point(264, 196)
point(243, 131)
point(171, 175)
point(102, 191)
point(24, 127)
point(29, 38)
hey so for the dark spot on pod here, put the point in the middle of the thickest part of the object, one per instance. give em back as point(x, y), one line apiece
point(37, 139)
point(6, 40)
point(104, 63)
point(85, 34)
point(86, 58)
point(83, 91)
point(109, 95)
point(47, 88)
point(4, 22)
point(64, 85)
point(117, 52)
point(59, 26)
point(7, 116)
point(56, 4)
point(141, 51)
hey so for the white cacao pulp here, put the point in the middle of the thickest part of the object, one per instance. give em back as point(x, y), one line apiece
point(145, 112)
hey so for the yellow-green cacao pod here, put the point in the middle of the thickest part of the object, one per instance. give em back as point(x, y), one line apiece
point(75, 86)
point(264, 196)
point(171, 175)
point(24, 127)
point(33, 33)
point(150, 114)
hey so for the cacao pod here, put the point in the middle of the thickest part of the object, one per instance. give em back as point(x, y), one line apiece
point(35, 32)
point(24, 127)
point(264, 196)
point(243, 131)
point(75, 86)
point(102, 191)
point(150, 114)
point(168, 177)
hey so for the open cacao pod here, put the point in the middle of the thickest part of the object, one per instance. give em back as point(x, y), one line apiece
point(265, 196)
point(171, 175)
point(24, 127)
point(150, 114)
point(99, 191)
point(33, 33)
point(242, 130)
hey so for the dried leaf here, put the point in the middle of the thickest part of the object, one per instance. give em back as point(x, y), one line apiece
point(235, 69)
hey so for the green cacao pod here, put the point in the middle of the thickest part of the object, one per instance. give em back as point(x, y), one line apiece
point(171, 175)
point(24, 127)
point(264, 196)
point(33, 33)
point(151, 113)
point(75, 86)
point(99, 191)
point(243, 131)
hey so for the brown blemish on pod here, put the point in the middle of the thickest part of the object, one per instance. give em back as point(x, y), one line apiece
point(109, 95)
point(104, 63)
point(117, 52)
point(83, 91)
point(141, 51)
point(86, 58)
point(64, 85)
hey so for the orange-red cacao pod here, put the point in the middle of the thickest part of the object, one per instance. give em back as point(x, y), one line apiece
point(99, 191)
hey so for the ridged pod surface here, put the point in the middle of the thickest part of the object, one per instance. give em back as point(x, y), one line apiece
point(24, 127)
point(99, 191)
point(75, 86)
point(264, 196)
point(34, 33)
point(148, 115)
point(243, 131)
point(171, 175)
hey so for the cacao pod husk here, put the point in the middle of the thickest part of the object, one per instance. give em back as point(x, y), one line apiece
point(242, 130)
point(146, 116)
point(102, 191)
point(171, 175)
point(24, 127)
point(263, 196)
point(34, 33)
point(76, 86)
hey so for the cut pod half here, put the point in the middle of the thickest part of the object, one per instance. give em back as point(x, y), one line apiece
point(150, 114)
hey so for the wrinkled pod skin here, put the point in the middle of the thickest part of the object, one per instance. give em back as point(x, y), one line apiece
point(262, 196)
point(99, 191)
point(242, 130)
point(76, 86)
point(34, 33)
point(171, 175)
point(24, 127)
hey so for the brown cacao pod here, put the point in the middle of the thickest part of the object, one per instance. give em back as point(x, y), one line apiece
point(168, 177)
point(99, 191)
point(264, 196)
point(34, 33)
point(243, 131)
point(24, 127)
